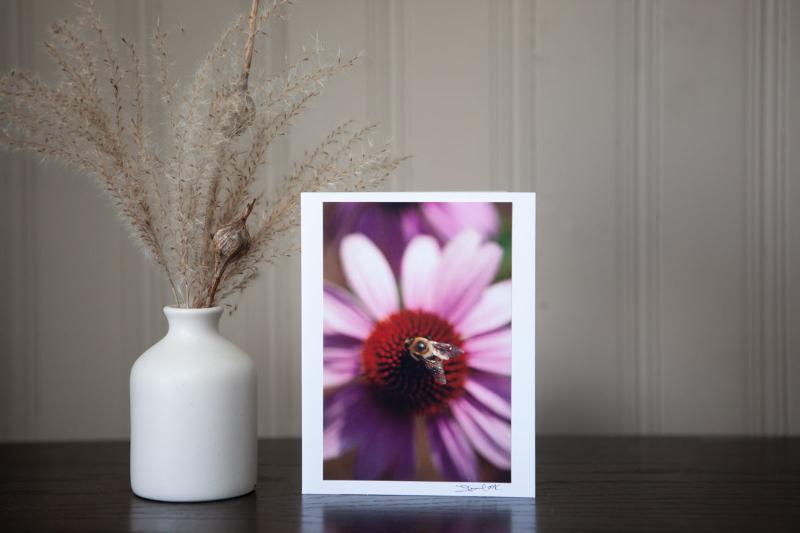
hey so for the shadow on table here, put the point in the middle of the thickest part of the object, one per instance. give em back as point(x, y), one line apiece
point(340, 513)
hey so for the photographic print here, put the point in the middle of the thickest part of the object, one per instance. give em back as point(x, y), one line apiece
point(417, 327)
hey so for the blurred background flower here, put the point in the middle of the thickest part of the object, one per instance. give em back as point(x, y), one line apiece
point(391, 225)
point(377, 395)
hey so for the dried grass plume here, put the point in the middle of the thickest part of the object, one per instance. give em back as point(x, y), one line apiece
point(176, 196)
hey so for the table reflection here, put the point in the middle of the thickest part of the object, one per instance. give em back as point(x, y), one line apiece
point(346, 513)
point(236, 515)
point(280, 508)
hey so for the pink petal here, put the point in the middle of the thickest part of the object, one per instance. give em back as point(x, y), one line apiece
point(485, 268)
point(490, 352)
point(456, 258)
point(498, 428)
point(341, 314)
point(387, 450)
point(449, 219)
point(489, 435)
point(340, 365)
point(418, 272)
point(369, 275)
point(466, 269)
point(450, 450)
point(492, 311)
point(492, 391)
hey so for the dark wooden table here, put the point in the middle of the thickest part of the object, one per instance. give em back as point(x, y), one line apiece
point(584, 484)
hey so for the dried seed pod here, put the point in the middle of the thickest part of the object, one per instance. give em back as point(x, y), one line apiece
point(231, 241)
point(233, 106)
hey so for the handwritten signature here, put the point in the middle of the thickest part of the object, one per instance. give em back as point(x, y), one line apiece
point(483, 487)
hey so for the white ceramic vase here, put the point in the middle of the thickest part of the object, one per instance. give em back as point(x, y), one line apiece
point(193, 413)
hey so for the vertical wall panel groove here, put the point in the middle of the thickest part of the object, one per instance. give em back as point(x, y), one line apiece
point(525, 15)
point(792, 237)
point(273, 300)
point(752, 223)
point(8, 195)
point(512, 59)
point(782, 205)
point(29, 231)
point(648, 247)
point(502, 115)
point(20, 347)
point(399, 72)
point(128, 279)
point(627, 319)
point(766, 215)
point(379, 69)
point(784, 40)
point(385, 92)
point(156, 292)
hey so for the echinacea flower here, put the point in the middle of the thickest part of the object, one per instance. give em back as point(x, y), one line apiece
point(377, 391)
point(391, 225)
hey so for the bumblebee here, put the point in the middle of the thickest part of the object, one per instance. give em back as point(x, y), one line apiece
point(432, 354)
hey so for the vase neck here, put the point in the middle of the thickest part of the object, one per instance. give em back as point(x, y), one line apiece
point(193, 321)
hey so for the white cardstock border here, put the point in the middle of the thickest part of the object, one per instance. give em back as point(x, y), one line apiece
point(523, 381)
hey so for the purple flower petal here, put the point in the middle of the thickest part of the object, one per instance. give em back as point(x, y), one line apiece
point(406, 459)
point(490, 312)
point(489, 434)
point(369, 275)
point(450, 449)
point(490, 352)
point(466, 269)
point(380, 223)
point(449, 219)
point(387, 450)
point(341, 430)
point(336, 340)
point(418, 272)
point(384, 440)
point(340, 365)
point(411, 224)
point(341, 314)
point(491, 390)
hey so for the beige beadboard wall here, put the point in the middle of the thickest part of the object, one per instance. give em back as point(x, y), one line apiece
point(663, 140)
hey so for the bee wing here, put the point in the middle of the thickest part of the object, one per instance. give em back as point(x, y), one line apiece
point(445, 351)
point(437, 369)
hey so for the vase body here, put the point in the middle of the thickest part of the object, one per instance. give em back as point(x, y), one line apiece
point(193, 413)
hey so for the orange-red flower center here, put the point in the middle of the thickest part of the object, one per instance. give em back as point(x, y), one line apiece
point(402, 382)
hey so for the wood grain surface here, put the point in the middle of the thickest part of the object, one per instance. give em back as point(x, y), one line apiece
point(584, 484)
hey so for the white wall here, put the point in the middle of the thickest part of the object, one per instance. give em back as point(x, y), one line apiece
point(661, 137)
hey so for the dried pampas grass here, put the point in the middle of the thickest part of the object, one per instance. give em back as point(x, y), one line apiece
point(185, 204)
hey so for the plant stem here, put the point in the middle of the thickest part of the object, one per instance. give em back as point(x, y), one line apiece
point(251, 41)
point(217, 278)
